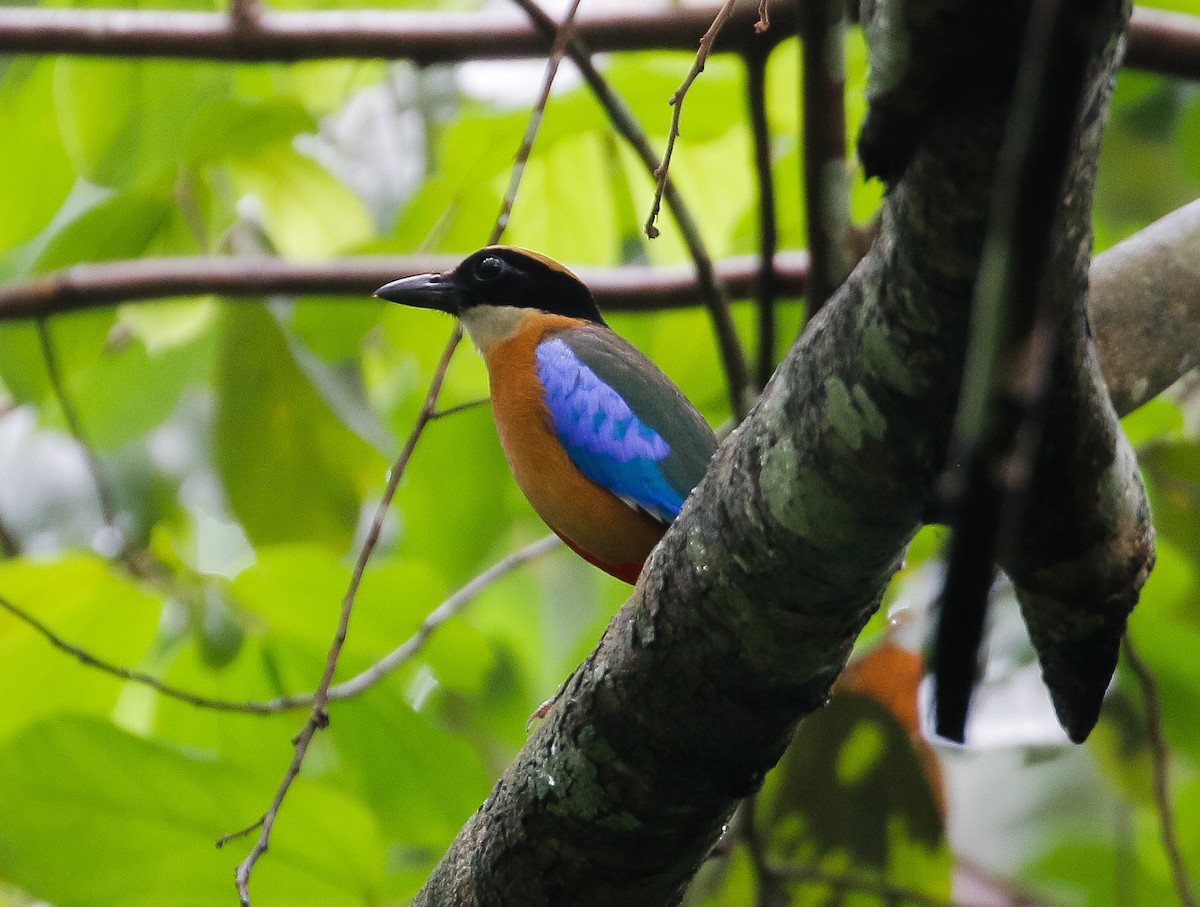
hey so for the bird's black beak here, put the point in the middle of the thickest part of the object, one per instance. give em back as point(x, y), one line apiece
point(425, 291)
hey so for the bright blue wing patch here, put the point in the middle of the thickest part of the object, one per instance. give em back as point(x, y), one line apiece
point(604, 437)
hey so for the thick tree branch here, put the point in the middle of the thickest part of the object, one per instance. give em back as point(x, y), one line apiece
point(749, 607)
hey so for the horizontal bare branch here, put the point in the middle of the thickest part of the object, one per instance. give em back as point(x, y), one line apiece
point(1164, 42)
point(624, 289)
point(424, 37)
point(1161, 42)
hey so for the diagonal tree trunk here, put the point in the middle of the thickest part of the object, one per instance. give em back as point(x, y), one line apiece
point(750, 606)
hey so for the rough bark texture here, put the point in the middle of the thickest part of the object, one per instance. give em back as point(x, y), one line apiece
point(749, 608)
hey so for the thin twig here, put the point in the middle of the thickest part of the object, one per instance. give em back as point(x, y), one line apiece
point(347, 689)
point(764, 16)
point(140, 677)
point(1159, 41)
point(439, 615)
point(460, 408)
point(561, 37)
point(8, 542)
point(768, 234)
point(141, 562)
point(706, 43)
point(712, 289)
point(108, 507)
point(319, 718)
point(1160, 758)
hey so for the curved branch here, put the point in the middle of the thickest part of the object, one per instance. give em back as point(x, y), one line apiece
point(1145, 308)
point(339, 692)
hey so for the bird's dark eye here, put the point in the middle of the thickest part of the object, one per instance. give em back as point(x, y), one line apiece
point(489, 269)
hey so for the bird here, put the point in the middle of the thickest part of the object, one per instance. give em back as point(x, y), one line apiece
point(603, 444)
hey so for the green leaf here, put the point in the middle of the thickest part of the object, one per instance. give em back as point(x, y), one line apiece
point(298, 590)
point(1080, 870)
point(422, 782)
point(1166, 648)
point(37, 174)
point(293, 471)
point(648, 80)
point(334, 328)
point(322, 86)
point(121, 226)
point(852, 783)
point(459, 483)
point(1157, 419)
point(152, 814)
point(239, 127)
point(1173, 471)
point(126, 122)
point(565, 207)
point(1187, 138)
point(306, 212)
point(86, 602)
point(78, 340)
point(132, 390)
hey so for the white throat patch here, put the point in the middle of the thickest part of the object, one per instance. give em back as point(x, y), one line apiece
point(489, 326)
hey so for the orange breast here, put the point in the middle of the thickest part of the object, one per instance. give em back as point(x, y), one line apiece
point(595, 522)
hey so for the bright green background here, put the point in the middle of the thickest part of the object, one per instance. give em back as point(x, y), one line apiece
point(245, 440)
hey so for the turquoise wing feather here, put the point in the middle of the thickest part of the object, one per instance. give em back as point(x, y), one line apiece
point(623, 423)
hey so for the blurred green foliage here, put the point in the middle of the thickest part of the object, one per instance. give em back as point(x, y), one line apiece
point(247, 442)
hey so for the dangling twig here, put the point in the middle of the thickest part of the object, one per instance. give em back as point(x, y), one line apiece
point(676, 101)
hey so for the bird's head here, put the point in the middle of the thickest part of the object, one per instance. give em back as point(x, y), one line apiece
point(495, 290)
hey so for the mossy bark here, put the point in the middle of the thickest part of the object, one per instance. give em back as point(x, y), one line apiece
point(748, 610)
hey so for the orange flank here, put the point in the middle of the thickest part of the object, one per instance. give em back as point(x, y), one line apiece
point(593, 521)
